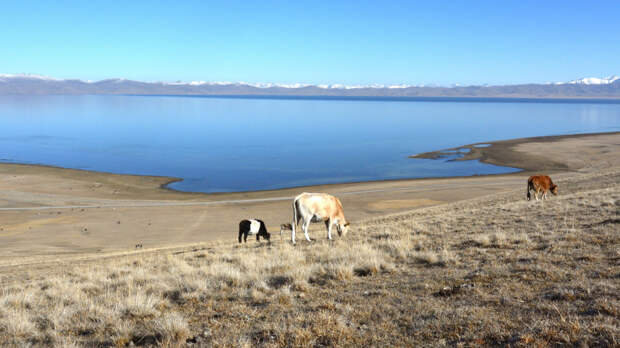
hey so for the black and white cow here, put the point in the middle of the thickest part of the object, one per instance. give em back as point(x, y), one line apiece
point(253, 226)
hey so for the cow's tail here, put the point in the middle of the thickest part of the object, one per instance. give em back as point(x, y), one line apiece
point(529, 186)
point(295, 219)
point(295, 216)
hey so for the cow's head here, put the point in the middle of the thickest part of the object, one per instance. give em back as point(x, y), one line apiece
point(342, 228)
point(554, 189)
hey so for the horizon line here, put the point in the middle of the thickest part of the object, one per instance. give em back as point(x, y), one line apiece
point(264, 85)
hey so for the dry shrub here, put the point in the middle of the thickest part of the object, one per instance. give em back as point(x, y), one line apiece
point(17, 324)
point(431, 258)
point(224, 275)
point(172, 327)
point(139, 306)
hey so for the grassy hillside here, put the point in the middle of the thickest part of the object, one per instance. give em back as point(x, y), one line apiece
point(489, 271)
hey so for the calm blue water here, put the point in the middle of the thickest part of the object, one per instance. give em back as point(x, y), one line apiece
point(236, 144)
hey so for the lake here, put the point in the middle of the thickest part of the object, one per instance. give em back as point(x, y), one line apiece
point(241, 144)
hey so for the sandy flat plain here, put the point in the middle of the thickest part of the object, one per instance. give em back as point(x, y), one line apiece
point(49, 213)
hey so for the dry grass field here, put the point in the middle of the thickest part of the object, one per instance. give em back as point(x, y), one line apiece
point(494, 270)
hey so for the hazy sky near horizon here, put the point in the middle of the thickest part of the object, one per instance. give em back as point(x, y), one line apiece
point(350, 42)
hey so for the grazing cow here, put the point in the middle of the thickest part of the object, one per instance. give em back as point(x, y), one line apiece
point(538, 183)
point(285, 227)
point(253, 226)
point(317, 207)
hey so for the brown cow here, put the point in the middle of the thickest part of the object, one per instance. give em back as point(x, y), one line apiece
point(538, 183)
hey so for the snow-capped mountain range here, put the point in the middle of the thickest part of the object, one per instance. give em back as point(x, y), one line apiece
point(5, 77)
point(22, 84)
point(592, 81)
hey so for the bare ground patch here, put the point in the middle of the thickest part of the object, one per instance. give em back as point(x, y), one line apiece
point(401, 203)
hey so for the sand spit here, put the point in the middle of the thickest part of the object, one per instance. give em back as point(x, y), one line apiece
point(542, 154)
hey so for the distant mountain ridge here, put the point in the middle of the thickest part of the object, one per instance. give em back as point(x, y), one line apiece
point(26, 84)
point(592, 81)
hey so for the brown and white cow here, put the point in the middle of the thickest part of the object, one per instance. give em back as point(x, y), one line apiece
point(540, 183)
point(318, 207)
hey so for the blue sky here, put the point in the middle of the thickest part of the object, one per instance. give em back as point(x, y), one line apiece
point(356, 42)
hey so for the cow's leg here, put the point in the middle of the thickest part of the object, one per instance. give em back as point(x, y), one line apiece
point(240, 235)
point(245, 236)
point(328, 224)
point(305, 228)
point(536, 194)
point(293, 225)
point(528, 195)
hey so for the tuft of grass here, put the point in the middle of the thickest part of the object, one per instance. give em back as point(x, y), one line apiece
point(442, 258)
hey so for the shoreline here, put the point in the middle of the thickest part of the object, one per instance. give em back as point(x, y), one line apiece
point(499, 153)
point(164, 185)
point(465, 99)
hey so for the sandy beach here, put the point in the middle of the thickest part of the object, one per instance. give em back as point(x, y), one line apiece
point(50, 213)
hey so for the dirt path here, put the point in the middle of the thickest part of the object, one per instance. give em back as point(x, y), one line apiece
point(144, 204)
